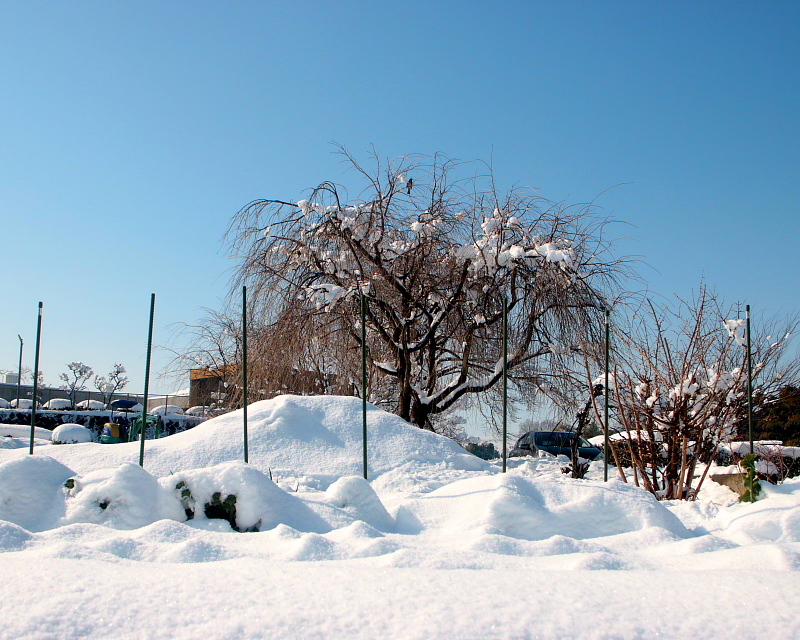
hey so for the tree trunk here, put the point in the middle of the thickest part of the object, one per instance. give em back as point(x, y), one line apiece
point(420, 414)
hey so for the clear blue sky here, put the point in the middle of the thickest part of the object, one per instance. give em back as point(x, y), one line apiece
point(130, 132)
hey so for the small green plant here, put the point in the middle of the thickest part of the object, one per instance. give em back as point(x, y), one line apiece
point(217, 509)
point(222, 509)
point(72, 486)
point(751, 483)
point(187, 501)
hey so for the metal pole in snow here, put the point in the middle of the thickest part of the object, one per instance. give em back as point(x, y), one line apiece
point(505, 381)
point(749, 384)
point(244, 369)
point(364, 377)
point(146, 379)
point(35, 376)
point(19, 370)
point(605, 399)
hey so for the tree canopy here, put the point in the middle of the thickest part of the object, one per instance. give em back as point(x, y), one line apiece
point(435, 258)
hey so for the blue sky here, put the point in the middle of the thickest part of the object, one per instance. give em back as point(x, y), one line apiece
point(130, 133)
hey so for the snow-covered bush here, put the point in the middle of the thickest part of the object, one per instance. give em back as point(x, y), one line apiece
point(123, 498)
point(90, 405)
point(240, 494)
point(71, 433)
point(679, 388)
point(165, 409)
point(58, 404)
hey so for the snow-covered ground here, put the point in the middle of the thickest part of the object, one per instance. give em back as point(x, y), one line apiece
point(438, 544)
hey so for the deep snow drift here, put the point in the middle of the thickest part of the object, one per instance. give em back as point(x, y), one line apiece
point(299, 435)
point(438, 544)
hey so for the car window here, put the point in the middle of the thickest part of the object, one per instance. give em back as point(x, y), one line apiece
point(564, 439)
point(542, 439)
point(556, 439)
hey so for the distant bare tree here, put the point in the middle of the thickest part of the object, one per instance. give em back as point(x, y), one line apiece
point(75, 380)
point(434, 264)
point(215, 345)
point(116, 381)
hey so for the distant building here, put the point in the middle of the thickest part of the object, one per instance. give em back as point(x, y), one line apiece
point(211, 385)
point(222, 385)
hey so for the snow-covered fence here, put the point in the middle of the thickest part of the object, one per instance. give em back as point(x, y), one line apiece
point(94, 420)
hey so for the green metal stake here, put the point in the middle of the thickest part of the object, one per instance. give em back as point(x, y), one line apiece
point(244, 369)
point(35, 376)
point(19, 371)
point(505, 381)
point(605, 398)
point(364, 377)
point(749, 384)
point(146, 379)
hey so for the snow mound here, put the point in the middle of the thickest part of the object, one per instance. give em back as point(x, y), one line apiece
point(295, 435)
point(31, 493)
point(259, 503)
point(355, 496)
point(71, 433)
point(123, 498)
point(13, 537)
point(21, 431)
point(776, 519)
point(539, 508)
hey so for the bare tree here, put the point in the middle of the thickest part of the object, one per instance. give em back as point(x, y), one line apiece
point(215, 346)
point(75, 380)
point(116, 381)
point(679, 387)
point(435, 265)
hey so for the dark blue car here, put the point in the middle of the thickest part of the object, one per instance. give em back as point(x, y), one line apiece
point(555, 443)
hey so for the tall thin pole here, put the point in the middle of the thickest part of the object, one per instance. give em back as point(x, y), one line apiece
point(505, 382)
point(244, 369)
point(35, 376)
point(146, 379)
point(19, 371)
point(364, 378)
point(749, 384)
point(606, 395)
